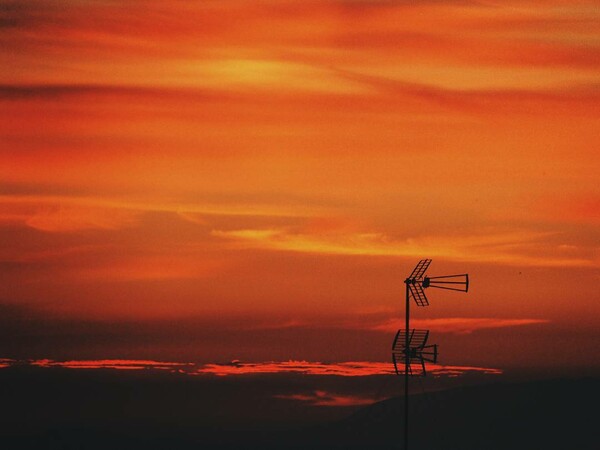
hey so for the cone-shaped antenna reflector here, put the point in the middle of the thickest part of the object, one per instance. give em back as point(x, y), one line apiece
point(450, 282)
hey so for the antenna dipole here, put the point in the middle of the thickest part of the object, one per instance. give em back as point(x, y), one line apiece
point(409, 346)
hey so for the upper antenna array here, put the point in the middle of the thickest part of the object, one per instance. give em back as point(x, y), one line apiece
point(416, 282)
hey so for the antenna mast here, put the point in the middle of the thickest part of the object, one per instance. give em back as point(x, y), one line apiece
point(409, 346)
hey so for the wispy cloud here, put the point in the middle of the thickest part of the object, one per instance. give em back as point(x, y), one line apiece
point(66, 219)
point(119, 364)
point(458, 325)
point(341, 369)
point(370, 319)
point(509, 247)
point(6, 362)
point(73, 212)
point(324, 398)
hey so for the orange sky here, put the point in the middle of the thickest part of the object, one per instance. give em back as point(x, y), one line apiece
point(290, 162)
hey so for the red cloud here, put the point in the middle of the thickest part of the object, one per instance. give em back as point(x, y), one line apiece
point(342, 369)
point(458, 325)
point(121, 364)
point(323, 398)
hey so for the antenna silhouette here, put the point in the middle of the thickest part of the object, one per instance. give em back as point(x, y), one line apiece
point(409, 347)
point(417, 354)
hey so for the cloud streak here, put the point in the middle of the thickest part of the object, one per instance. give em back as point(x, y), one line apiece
point(459, 325)
point(235, 368)
point(324, 398)
point(508, 247)
point(343, 369)
point(117, 364)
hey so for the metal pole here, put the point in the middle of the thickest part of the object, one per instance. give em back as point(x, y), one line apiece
point(406, 367)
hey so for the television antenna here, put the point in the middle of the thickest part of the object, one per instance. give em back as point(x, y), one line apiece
point(418, 352)
point(410, 346)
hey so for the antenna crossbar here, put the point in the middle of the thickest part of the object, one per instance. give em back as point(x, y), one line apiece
point(418, 294)
point(419, 269)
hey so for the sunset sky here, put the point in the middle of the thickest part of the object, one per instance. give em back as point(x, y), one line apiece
point(215, 180)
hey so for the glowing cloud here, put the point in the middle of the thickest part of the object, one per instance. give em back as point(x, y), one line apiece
point(343, 369)
point(119, 364)
point(509, 247)
point(65, 219)
point(459, 325)
point(324, 398)
point(6, 362)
